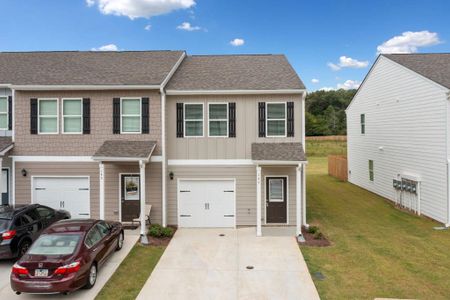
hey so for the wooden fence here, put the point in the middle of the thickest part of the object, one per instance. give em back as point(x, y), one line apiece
point(337, 167)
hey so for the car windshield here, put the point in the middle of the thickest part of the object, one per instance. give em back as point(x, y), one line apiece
point(4, 224)
point(55, 244)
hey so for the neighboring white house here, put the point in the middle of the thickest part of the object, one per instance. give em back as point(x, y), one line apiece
point(398, 127)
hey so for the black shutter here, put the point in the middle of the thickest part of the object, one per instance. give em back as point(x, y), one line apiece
point(290, 119)
point(232, 119)
point(262, 119)
point(10, 113)
point(33, 116)
point(116, 115)
point(180, 120)
point(145, 115)
point(86, 116)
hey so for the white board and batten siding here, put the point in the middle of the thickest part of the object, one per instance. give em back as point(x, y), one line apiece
point(406, 115)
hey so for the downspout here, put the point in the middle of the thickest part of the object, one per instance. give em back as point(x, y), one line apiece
point(448, 160)
point(304, 166)
point(163, 140)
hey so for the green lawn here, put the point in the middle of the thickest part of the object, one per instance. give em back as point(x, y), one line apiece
point(133, 272)
point(378, 251)
point(324, 148)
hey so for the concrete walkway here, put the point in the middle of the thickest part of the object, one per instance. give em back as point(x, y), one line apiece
point(131, 236)
point(200, 264)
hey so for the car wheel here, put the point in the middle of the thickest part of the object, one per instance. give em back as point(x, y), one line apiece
point(120, 242)
point(92, 277)
point(23, 248)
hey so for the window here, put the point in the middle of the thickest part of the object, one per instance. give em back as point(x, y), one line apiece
point(45, 212)
point(48, 116)
point(72, 116)
point(371, 171)
point(193, 120)
point(363, 123)
point(55, 244)
point(130, 115)
point(103, 229)
point(93, 237)
point(276, 119)
point(4, 113)
point(276, 192)
point(218, 119)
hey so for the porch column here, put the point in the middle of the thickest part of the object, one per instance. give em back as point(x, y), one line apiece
point(298, 202)
point(101, 167)
point(1, 180)
point(304, 196)
point(143, 212)
point(258, 201)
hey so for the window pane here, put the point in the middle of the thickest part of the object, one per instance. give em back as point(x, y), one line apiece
point(276, 111)
point(72, 124)
point(131, 124)
point(275, 128)
point(47, 125)
point(194, 128)
point(47, 107)
point(72, 107)
point(218, 128)
point(275, 189)
point(217, 111)
point(3, 121)
point(3, 105)
point(193, 111)
point(131, 107)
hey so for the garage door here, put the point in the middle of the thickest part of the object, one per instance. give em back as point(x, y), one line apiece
point(68, 193)
point(206, 203)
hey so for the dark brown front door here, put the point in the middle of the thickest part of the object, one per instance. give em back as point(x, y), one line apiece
point(276, 200)
point(130, 197)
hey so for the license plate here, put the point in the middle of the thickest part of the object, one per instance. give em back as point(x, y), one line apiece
point(41, 273)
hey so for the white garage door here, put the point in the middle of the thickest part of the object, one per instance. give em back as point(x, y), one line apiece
point(206, 203)
point(68, 193)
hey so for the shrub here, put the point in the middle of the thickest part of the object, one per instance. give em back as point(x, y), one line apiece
point(167, 232)
point(158, 231)
point(318, 235)
point(313, 229)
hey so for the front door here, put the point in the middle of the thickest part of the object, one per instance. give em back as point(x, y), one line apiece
point(276, 200)
point(130, 197)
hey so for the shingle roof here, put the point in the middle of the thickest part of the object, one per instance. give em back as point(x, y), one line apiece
point(5, 142)
point(435, 66)
point(87, 68)
point(125, 149)
point(278, 152)
point(235, 72)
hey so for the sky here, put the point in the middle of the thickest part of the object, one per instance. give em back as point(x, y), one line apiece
point(331, 44)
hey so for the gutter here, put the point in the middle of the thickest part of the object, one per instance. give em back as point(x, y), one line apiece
point(237, 92)
point(163, 138)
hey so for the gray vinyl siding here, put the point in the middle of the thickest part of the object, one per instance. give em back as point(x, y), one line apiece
point(406, 115)
point(245, 188)
point(246, 127)
point(112, 183)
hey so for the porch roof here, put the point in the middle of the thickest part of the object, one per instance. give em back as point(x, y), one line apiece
point(6, 144)
point(278, 153)
point(125, 151)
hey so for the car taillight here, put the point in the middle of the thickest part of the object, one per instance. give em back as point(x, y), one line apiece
point(19, 270)
point(7, 235)
point(67, 269)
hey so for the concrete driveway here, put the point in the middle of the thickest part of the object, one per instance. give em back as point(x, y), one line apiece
point(103, 276)
point(201, 264)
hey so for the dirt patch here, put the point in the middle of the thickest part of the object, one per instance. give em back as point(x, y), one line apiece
point(313, 240)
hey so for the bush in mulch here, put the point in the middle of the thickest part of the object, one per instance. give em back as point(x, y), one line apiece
point(159, 235)
point(314, 237)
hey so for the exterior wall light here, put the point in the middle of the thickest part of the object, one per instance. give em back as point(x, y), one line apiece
point(24, 172)
point(171, 175)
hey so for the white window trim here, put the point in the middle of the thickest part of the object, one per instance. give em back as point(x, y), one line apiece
point(140, 115)
point(5, 113)
point(285, 120)
point(47, 116)
point(282, 190)
point(227, 120)
point(202, 119)
point(69, 116)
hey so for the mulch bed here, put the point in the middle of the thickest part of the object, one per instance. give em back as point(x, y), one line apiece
point(162, 241)
point(312, 241)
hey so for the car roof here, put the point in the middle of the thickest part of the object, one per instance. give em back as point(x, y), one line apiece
point(71, 226)
point(8, 212)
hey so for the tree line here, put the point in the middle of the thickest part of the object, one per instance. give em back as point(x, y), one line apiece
point(325, 112)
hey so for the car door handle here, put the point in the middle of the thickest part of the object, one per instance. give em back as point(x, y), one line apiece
point(94, 250)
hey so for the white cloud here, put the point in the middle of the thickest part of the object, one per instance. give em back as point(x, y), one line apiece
point(237, 42)
point(348, 62)
point(315, 80)
point(409, 42)
point(349, 84)
point(148, 27)
point(327, 88)
point(109, 47)
point(188, 27)
point(140, 8)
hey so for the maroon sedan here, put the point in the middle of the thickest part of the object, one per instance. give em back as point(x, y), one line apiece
point(66, 257)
